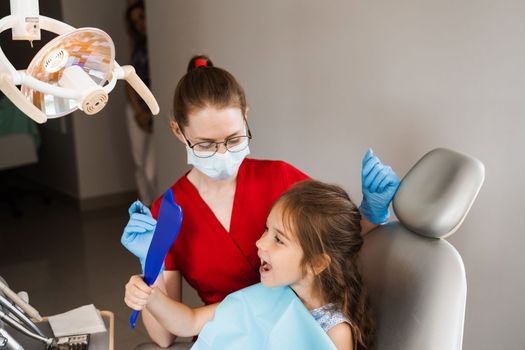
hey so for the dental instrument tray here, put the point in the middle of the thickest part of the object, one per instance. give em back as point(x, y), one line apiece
point(74, 342)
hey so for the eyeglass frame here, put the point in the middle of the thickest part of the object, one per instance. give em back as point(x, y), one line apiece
point(218, 144)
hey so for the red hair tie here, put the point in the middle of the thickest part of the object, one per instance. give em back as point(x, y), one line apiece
point(200, 62)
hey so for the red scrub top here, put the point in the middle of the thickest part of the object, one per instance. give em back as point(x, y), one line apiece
point(214, 261)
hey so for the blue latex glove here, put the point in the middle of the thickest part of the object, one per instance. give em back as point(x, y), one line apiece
point(138, 233)
point(379, 185)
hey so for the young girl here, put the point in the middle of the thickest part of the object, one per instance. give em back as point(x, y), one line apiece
point(310, 243)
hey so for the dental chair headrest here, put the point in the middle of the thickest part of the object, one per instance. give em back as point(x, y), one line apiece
point(436, 194)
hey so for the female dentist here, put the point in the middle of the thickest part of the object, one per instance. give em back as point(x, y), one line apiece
point(225, 197)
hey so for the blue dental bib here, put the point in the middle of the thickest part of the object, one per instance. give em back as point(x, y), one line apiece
point(262, 318)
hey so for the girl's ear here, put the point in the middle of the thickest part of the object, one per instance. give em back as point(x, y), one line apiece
point(320, 263)
point(177, 131)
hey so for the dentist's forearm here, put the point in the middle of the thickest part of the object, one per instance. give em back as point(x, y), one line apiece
point(366, 226)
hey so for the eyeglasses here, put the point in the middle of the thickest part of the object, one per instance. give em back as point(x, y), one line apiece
point(232, 144)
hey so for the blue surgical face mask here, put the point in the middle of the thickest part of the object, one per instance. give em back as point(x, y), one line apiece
point(220, 166)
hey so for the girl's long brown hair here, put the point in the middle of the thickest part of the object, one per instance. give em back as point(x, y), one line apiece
point(327, 223)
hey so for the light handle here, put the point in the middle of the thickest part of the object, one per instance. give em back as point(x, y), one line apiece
point(142, 90)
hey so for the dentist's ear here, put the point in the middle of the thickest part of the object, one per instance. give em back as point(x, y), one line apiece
point(177, 131)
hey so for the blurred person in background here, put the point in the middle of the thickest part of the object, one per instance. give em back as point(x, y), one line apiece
point(138, 116)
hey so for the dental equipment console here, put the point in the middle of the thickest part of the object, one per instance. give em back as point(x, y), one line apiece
point(13, 313)
point(75, 70)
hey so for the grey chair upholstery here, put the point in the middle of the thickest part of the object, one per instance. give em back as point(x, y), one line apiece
point(416, 279)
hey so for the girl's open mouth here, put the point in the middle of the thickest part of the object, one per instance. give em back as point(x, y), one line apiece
point(265, 267)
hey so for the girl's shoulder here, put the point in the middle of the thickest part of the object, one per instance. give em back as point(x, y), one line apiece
point(342, 336)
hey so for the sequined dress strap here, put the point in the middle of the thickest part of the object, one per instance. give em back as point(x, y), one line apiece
point(328, 317)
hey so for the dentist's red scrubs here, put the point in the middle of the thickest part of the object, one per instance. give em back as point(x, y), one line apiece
point(214, 261)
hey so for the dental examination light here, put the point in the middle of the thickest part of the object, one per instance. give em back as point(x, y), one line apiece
point(75, 70)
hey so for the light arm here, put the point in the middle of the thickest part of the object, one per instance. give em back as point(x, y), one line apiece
point(19, 100)
point(54, 26)
point(142, 90)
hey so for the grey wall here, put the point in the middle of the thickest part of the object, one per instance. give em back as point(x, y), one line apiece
point(325, 80)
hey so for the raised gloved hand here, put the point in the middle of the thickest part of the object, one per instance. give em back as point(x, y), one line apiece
point(379, 184)
point(138, 233)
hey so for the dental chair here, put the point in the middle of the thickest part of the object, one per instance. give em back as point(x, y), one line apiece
point(416, 279)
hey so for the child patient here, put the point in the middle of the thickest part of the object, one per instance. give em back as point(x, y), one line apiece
point(311, 242)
